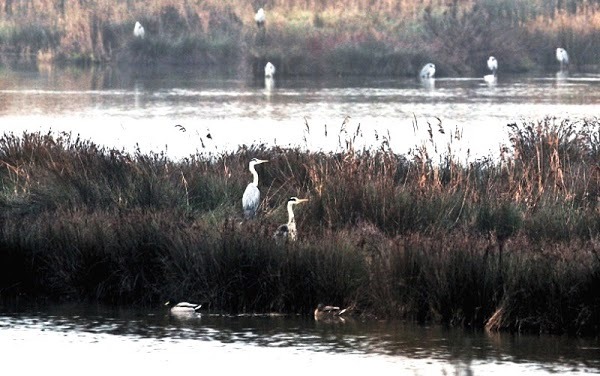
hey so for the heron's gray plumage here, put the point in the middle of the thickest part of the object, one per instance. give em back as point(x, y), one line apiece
point(288, 231)
point(251, 196)
point(251, 201)
point(282, 231)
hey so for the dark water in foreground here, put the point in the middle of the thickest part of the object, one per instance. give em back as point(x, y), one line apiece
point(88, 339)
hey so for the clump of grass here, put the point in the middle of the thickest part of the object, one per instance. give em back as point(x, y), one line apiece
point(419, 237)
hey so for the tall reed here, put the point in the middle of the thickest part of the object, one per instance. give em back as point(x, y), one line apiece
point(307, 38)
point(507, 244)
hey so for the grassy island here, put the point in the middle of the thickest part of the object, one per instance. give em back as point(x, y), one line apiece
point(508, 244)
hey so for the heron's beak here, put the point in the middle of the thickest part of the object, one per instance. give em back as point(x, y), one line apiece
point(302, 200)
point(167, 303)
point(263, 160)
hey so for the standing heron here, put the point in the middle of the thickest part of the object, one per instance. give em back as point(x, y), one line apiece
point(492, 64)
point(562, 57)
point(251, 197)
point(428, 71)
point(288, 231)
point(138, 30)
point(260, 17)
point(269, 70)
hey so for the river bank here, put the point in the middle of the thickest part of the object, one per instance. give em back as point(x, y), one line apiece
point(507, 244)
point(307, 39)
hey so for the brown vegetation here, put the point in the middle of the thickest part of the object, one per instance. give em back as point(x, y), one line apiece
point(308, 37)
point(506, 244)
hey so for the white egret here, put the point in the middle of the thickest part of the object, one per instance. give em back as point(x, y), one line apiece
point(184, 307)
point(251, 197)
point(138, 30)
point(288, 231)
point(562, 57)
point(260, 17)
point(323, 312)
point(428, 71)
point(269, 70)
point(492, 64)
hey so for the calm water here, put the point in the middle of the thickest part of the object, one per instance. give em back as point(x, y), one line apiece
point(125, 109)
point(76, 339)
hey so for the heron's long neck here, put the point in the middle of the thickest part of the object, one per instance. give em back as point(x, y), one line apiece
point(254, 174)
point(291, 223)
point(291, 219)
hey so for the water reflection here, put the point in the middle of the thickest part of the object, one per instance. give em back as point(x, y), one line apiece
point(269, 85)
point(415, 346)
point(561, 76)
point(428, 83)
point(123, 108)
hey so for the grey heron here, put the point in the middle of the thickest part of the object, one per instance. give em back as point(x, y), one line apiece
point(288, 231)
point(428, 71)
point(260, 17)
point(562, 57)
point(492, 64)
point(184, 307)
point(269, 70)
point(138, 30)
point(251, 197)
point(323, 312)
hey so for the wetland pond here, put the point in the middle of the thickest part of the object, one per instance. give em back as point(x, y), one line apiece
point(71, 339)
point(182, 113)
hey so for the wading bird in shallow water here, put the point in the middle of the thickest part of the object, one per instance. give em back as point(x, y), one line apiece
point(428, 71)
point(184, 307)
point(260, 17)
point(251, 197)
point(269, 70)
point(492, 64)
point(138, 30)
point(323, 312)
point(288, 231)
point(562, 57)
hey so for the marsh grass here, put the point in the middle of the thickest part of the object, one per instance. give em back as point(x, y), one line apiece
point(508, 243)
point(307, 38)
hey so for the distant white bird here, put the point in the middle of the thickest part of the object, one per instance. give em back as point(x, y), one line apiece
point(562, 57)
point(269, 70)
point(428, 71)
point(184, 307)
point(259, 17)
point(138, 30)
point(288, 231)
point(251, 197)
point(492, 64)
